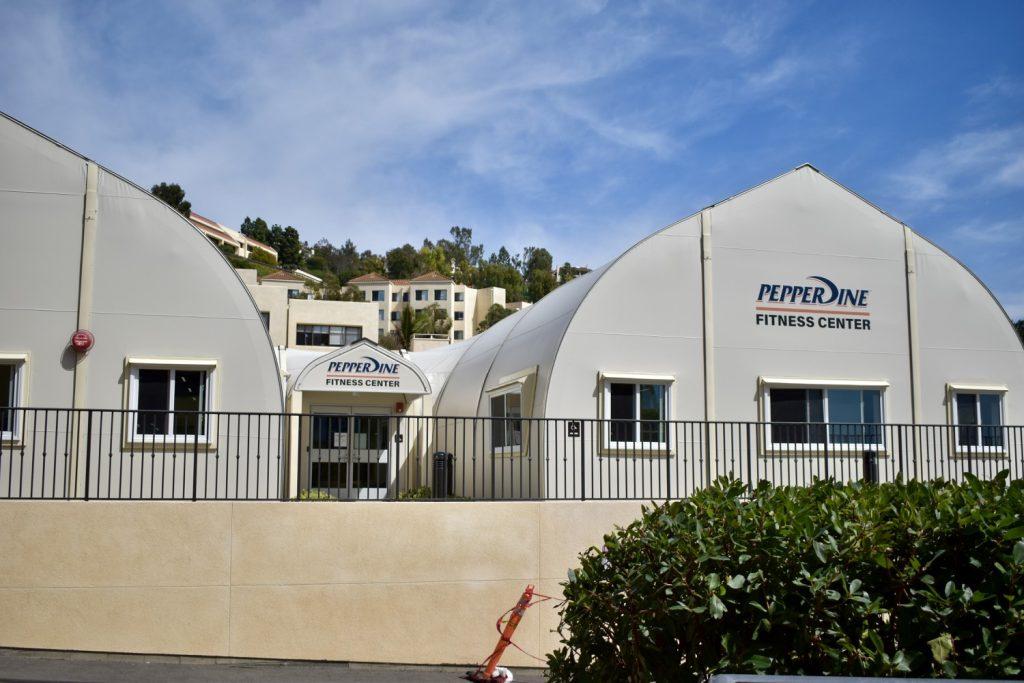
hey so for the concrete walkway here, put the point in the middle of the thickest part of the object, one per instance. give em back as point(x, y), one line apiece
point(37, 666)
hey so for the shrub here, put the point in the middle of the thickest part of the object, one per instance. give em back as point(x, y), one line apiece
point(315, 494)
point(418, 493)
point(260, 256)
point(908, 579)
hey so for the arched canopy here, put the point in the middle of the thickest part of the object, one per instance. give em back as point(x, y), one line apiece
point(364, 367)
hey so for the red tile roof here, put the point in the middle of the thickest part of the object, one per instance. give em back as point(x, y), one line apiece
point(432, 276)
point(369, 277)
point(206, 225)
point(283, 276)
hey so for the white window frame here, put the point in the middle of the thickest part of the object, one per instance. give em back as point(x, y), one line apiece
point(134, 365)
point(634, 447)
point(515, 387)
point(767, 384)
point(955, 389)
point(19, 361)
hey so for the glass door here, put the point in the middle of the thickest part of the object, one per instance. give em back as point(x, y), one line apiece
point(349, 454)
point(329, 455)
point(370, 472)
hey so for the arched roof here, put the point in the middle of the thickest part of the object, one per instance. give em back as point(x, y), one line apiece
point(159, 287)
point(532, 338)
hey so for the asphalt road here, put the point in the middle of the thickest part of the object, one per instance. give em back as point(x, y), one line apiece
point(28, 666)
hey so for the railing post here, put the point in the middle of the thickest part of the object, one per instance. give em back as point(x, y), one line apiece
point(583, 459)
point(88, 452)
point(195, 459)
point(668, 462)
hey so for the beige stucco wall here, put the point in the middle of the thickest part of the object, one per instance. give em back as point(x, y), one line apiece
point(412, 582)
point(321, 312)
point(273, 300)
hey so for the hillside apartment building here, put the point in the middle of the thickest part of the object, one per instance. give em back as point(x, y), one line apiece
point(465, 305)
point(222, 235)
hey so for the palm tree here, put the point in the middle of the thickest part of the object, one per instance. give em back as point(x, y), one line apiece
point(429, 320)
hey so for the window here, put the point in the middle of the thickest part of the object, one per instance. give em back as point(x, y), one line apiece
point(507, 425)
point(377, 295)
point(170, 401)
point(840, 416)
point(978, 416)
point(394, 297)
point(11, 372)
point(327, 335)
point(380, 314)
point(459, 315)
point(294, 293)
point(265, 315)
point(636, 414)
point(460, 296)
point(395, 315)
point(457, 335)
point(421, 295)
point(405, 297)
point(440, 295)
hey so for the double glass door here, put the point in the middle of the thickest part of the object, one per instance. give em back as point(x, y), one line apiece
point(348, 454)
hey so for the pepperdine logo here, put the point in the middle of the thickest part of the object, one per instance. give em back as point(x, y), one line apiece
point(366, 365)
point(829, 295)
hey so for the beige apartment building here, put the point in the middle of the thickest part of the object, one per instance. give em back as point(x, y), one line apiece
point(297, 321)
point(465, 305)
point(221, 234)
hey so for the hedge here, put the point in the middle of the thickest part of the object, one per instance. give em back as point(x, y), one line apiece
point(901, 579)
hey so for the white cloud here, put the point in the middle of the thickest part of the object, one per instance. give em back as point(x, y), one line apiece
point(387, 122)
point(969, 163)
point(993, 233)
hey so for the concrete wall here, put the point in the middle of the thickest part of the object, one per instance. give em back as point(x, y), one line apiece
point(374, 582)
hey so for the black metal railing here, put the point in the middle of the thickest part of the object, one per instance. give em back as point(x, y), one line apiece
point(162, 455)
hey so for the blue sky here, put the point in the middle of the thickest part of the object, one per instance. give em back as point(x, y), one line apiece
point(581, 126)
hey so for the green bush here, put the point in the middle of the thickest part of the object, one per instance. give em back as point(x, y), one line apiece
point(315, 494)
point(260, 256)
point(418, 493)
point(915, 579)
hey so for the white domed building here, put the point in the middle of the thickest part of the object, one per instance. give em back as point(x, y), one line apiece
point(795, 303)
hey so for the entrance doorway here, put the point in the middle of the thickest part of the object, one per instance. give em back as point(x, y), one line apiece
point(349, 454)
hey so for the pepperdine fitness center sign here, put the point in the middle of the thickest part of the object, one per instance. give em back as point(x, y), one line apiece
point(362, 367)
point(822, 304)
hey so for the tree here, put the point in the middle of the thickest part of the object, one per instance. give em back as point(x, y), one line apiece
point(174, 196)
point(403, 262)
point(433, 257)
point(289, 246)
point(1019, 326)
point(462, 255)
point(495, 314)
point(352, 293)
point(538, 271)
point(429, 320)
point(567, 272)
point(256, 229)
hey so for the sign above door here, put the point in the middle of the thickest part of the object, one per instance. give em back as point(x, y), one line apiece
point(362, 367)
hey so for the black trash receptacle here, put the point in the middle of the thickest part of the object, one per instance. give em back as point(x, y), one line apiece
point(444, 474)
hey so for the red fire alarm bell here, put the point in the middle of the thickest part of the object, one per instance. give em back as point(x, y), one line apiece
point(82, 340)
